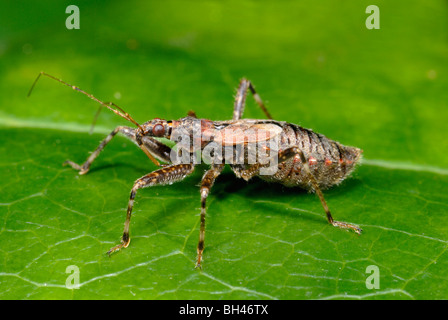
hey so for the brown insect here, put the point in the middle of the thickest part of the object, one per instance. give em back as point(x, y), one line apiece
point(293, 156)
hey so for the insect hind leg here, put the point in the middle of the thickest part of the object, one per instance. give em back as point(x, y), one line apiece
point(285, 155)
point(312, 179)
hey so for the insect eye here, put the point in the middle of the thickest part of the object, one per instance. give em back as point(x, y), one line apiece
point(158, 130)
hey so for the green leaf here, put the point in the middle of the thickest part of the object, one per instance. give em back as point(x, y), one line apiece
point(315, 64)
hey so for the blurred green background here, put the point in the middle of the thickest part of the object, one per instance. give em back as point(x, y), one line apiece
point(314, 63)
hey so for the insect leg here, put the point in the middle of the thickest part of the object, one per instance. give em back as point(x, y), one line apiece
point(240, 100)
point(253, 170)
point(162, 176)
point(160, 150)
point(84, 168)
point(206, 184)
point(283, 156)
point(316, 188)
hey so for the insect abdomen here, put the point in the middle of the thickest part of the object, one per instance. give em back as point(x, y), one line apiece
point(329, 161)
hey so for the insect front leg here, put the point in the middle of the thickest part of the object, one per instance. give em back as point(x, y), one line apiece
point(240, 100)
point(162, 176)
point(157, 148)
point(206, 184)
point(84, 168)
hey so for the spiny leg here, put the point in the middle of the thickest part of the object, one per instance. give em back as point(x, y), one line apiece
point(137, 137)
point(206, 184)
point(316, 188)
point(84, 168)
point(283, 156)
point(159, 149)
point(254, 170)
point(162, 176)
point(240, 100)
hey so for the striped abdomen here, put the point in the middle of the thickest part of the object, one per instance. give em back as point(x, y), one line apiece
point(329, 161)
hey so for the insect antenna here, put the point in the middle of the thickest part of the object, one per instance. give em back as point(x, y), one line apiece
point(94, 119)
point(110, 105)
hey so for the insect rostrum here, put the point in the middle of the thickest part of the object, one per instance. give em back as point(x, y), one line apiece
point(275, 151)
